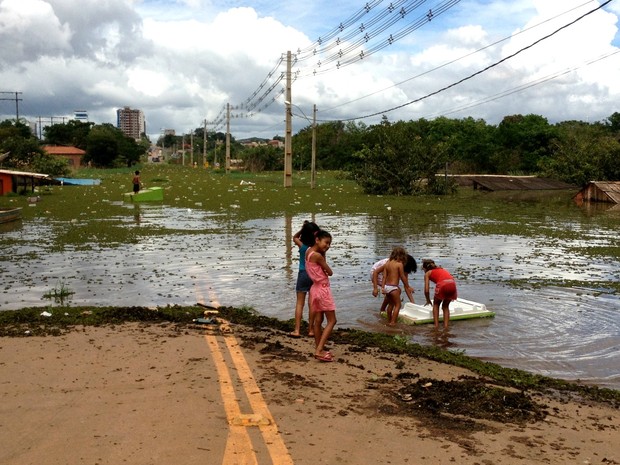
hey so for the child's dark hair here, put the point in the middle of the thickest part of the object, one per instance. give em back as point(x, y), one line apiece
point(411, 266)
point(322, 234)
point(308, 231)
point(428, 264)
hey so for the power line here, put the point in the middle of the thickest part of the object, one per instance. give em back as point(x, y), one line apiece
point(471, 76)
point(522, 87)
point(460, 58)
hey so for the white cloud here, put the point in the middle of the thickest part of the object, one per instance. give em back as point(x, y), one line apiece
point(182, 61)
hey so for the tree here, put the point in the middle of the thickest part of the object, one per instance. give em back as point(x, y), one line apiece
point(263, 158)
point(102, 148)
point(523, 141)
point(73, 133)
point(403, 159)
point(582, 153)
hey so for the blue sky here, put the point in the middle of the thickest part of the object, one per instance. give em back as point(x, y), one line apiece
point(181, 62)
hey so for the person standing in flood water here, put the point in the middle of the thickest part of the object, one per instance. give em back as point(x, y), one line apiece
point(445, 290)
point(304, 239)
point(136, 182)
point(321, 298)
point(394, 270)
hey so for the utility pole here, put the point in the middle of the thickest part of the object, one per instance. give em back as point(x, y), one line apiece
point(288, 142)
point(191, 147)
point(204, 146)
point(227, 138)
point(17, 100)
point(313, 164)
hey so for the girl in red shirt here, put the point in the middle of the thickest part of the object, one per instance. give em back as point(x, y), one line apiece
point(445, 290)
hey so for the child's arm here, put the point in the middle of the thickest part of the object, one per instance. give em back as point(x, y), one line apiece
point(375, 280)
point(320, 259)
point(427, 287)
point(408, 289)
point(297, 239)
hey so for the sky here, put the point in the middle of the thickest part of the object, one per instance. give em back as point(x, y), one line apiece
point(182, 62)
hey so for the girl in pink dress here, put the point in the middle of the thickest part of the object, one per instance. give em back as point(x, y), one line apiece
point(321, 299)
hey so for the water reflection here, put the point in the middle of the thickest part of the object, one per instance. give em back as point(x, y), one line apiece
point(441, 338)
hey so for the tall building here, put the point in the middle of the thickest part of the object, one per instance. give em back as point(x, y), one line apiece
point(131, 122)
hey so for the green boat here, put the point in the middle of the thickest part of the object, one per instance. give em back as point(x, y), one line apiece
point(151, 194)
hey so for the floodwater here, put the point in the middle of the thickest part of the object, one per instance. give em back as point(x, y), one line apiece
point(556, 312)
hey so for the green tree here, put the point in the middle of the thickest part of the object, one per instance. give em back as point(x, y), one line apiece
point(403, 159)
point(582, 153)
point(263, 158)
point(523, 141)
point(107, 146)
point(102, 148)
point(73, 133)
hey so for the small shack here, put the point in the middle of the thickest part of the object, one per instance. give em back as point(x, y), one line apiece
point(599, 191)
point(517, 183)
point(73, 155)
point(19, 181)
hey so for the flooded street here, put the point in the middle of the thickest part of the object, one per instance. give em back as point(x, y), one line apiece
point(555, 311)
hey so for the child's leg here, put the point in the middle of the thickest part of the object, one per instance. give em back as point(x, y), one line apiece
point(394, 304)
point(384, 304)
point(396, 309)
point(299, 312)
point(311, 318)
point(436, 303)
point(318, 327)
point(331, 322)
point(445, 306)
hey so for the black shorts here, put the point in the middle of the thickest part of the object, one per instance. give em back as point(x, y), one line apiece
point(304, 283)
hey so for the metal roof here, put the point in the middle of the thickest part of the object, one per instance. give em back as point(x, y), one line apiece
point(505, 183)
point(25, 174)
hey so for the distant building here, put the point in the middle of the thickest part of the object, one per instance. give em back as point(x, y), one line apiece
point(80, 115)
point(73, 155)
point(131, 122)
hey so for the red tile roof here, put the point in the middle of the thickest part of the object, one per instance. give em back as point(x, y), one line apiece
point(60, 150)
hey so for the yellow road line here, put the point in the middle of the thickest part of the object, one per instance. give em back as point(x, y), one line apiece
point(239, 448)
point(273, 440)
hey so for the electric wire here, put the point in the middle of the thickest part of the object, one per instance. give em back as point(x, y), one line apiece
point(522, 87)
point(457, 59)
point(471, 76)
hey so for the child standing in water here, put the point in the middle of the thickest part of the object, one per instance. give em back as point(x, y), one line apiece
point(136, 182)
point(376, 276)
point(394, 271)
point(321, 299)
point(445, 290)
point(304, 239)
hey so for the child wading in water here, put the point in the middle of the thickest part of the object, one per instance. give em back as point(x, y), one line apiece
point(376, 276)
point(321, 299)
point(304, 239)
point(445, 290)
point(394, 272)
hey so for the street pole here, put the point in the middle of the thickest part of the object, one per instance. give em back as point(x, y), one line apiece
point(313, 164)
point(204, 146)
point(227, 138)
point(288, 141)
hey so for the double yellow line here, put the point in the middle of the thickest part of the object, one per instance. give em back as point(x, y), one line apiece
point(239, 449)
